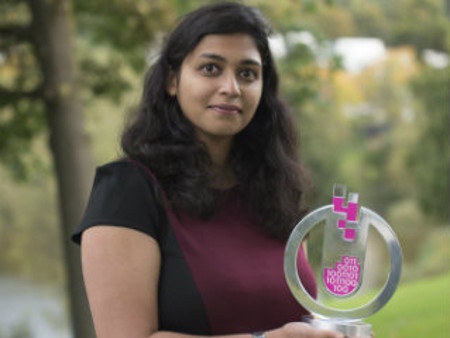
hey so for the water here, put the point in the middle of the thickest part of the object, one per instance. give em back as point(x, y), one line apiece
point(31, 311)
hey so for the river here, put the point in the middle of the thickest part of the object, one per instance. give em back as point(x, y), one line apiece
point(28, 310)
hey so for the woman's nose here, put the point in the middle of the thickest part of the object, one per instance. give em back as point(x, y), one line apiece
point(230, 85)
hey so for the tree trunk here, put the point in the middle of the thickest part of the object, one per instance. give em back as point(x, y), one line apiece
point(52, 40)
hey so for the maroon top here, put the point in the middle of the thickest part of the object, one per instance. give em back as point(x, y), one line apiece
point(238, 269)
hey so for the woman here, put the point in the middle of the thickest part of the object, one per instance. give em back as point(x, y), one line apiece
point(186, 234)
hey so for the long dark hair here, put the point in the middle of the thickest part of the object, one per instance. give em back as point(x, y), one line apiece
point(263, 156)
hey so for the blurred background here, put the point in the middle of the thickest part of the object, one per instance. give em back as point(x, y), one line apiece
point(367, 79)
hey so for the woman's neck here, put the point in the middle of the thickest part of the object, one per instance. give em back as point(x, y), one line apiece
point(223, 178)
point(222, 174)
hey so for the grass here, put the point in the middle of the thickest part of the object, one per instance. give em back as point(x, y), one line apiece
point(417, 309)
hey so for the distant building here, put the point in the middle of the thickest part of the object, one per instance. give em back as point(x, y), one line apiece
point(435, 58)
point(359, 53)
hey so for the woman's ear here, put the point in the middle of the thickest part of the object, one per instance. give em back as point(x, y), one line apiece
point(171, 83)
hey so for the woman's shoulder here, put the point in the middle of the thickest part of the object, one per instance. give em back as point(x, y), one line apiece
point(124, 194)
point(125, 168)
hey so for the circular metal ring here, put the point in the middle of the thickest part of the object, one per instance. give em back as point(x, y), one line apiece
point(303, 297)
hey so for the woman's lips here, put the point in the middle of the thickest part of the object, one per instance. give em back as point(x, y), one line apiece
point(225, 108)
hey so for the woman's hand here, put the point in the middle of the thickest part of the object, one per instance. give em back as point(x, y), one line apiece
point(301, 330)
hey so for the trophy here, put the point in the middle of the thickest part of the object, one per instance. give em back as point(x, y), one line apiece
point(345, 237)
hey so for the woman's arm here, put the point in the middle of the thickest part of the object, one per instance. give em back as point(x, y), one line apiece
point(121, 272)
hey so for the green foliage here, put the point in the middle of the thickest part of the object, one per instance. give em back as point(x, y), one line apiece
point(430, 154)
point(409, 224)
point(302, 87)
point(29, 237)
point(14, 11)
point(122, 30)
point(20, 123)
point(21, 112)
point(428, 28)
point(370, 20)
point(104, 78)
point(421, 23)
point(335, 22)
point(127, 26)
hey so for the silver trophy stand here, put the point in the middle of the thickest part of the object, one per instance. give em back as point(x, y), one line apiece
point(347, 321)
point(355, 329)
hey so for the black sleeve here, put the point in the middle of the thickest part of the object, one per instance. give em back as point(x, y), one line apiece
point(123, 194)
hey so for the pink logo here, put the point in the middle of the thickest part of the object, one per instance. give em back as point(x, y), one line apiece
point(344, 278)
point(351, 212)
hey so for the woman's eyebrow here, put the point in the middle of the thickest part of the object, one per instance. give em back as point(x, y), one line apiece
point(220, 58)
point(213, 56)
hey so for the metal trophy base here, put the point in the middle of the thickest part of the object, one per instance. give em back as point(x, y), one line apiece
point(351, 329)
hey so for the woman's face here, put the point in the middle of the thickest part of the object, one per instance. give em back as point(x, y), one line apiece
point(219, 85)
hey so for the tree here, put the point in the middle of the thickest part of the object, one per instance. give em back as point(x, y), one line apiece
point(22, 114)
point(52, 33)
point(49, 34)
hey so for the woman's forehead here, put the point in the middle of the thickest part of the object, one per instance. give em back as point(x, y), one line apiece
point(235, 46)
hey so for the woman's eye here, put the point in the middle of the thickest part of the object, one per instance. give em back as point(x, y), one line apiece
point(249, 74)
point(210, 69)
